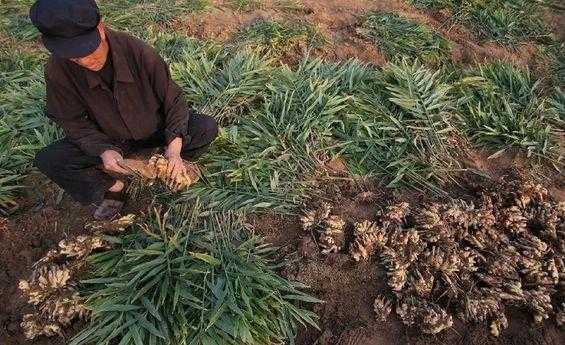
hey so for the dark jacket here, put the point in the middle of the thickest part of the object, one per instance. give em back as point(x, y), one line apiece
point(144, 99)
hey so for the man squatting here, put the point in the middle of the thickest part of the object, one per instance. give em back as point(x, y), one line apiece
point(113, 95)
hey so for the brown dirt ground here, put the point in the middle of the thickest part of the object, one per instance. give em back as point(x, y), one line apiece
point(41, 222)
point(43, 219)
point(346, 318)
point(348, 289)
point(337, 20)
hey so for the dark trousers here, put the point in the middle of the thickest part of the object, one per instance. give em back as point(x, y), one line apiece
point(82, 176)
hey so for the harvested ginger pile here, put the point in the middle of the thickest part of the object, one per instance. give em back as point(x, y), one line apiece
point(52, 286)
point(155, 169)
point(463, 260)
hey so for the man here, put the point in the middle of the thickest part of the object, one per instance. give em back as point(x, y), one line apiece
point(112, 94)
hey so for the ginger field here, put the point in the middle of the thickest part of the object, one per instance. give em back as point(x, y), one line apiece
point(387, 172)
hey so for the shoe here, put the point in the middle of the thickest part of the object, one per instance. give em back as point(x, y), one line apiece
point(110, 207)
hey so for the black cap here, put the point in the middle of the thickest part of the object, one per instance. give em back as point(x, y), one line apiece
point(68, 27)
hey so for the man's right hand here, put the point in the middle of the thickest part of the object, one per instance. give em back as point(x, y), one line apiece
point(111, 160)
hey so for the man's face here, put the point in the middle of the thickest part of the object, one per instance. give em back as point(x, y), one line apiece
point(95, 60)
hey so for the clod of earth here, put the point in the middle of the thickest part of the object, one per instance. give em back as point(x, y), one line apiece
point(52, 286)
point(307, 248)
point(366, 197)
point(155, 169)
point(560, 315)
point(470, 260)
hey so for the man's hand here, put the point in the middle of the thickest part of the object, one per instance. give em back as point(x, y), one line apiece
point(111, 160)
point(176, 165)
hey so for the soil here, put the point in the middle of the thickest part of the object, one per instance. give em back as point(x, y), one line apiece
point(337, 20)
point(42, 220)
point(348, 289)
point(45, 217)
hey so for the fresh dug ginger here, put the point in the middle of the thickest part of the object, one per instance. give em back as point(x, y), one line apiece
point(382, 307)
point(155, 169)
point(470, 260)
point(328, 227)
point(368, 238)
point(51, 288)
point(34, 326)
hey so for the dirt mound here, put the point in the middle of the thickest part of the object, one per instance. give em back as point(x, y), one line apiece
point(337, 20)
